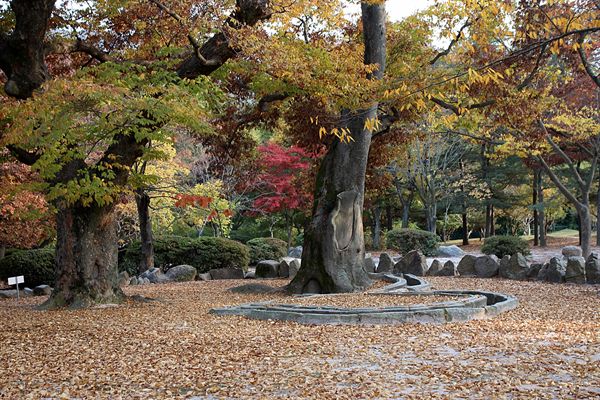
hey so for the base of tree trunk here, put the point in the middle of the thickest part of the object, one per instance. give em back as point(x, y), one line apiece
point(86, 259)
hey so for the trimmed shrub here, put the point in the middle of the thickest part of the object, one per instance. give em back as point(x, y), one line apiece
point(501, 246)
point(204, 253)
point(266, 249)
point(37, 266)
point(406, 240)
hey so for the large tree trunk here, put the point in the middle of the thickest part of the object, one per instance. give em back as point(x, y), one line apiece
point(376, 227)
point(334, 251)
point(2, 251)
point(22, 53)
point(147, 241)
point(86, 258)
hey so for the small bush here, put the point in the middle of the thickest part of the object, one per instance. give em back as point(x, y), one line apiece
point(204, 253)
point(266, 249)
point(405, 240)
point(37, 266)
point(505, 245)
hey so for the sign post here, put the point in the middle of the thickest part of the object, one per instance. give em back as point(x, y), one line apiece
point(16, 280)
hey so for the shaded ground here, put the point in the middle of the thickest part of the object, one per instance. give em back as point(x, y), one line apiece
point(549, 347)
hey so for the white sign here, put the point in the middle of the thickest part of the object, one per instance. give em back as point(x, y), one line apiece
point(16, 280)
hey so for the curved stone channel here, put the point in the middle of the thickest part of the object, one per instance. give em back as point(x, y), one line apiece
point(470, 305)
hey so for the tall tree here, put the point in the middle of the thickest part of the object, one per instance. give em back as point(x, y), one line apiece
point(86, 251)
point(333, 256)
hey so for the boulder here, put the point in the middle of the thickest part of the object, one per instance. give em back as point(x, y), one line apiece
point(250, 274)
point(42, 290)
point(575, 272)
point(592, 269)
point(449, 269)
point(124, 278)
point(205, 277)
point(466, 266)
point(8, 294)
point(286, 268)
point(181, 273)
point(154, 275)
point(435, 268)
point(226, 273)
point(295, 252)
point(369, 264)
point(450, 251)
point(294, 268)
point(553, 272)
point(414, 263)
point(516, 269)
point(267, 269)
point(571, 251)
point(386, 264)
point(534, 270)
point(133, 281)
point(486, 267)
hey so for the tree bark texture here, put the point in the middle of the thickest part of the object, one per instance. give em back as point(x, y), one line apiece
point(86, 258)
point(22, 52)
point(333, 256)
point(142, 200)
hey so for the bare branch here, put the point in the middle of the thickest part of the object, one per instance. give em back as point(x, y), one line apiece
point(453, 42)
point(585, 61)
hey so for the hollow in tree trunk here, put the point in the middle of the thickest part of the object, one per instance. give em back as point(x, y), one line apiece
point(147, 241)
point(334, 249)
point(86, 258)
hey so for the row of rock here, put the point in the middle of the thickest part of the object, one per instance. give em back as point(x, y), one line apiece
point(569, 268)
point(41, 290)
point(413, 263)
point(287, 267)
point(179, 273)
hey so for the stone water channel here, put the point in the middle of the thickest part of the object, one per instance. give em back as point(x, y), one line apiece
point(464, 306)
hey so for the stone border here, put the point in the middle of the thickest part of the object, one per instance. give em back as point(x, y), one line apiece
point(472, 305)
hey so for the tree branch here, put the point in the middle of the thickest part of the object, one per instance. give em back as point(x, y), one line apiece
point(453, 42)
point(585, 61)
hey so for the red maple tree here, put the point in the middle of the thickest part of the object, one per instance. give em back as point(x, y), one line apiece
point(282, 181)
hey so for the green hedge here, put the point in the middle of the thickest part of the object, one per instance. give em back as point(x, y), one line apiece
point(405, 240)
point(204, 253)
point(37, 266)
point(505, 245)
point(266, 249)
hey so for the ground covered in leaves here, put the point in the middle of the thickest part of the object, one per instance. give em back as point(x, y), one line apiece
point(549, 347)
